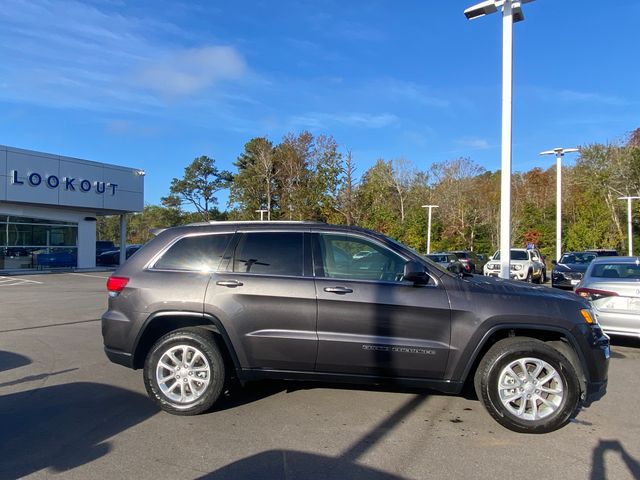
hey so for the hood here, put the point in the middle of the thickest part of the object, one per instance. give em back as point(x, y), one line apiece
point(571, 267)
point(515, 287)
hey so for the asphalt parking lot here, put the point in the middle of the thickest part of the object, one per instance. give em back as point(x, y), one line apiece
point(66, 411)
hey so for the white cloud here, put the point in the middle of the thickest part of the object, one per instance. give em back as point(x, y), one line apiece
point(70, 54)
point(189, 71)
point(398, 90)
point(474, 143)
point(317, 120)
point(576, 96)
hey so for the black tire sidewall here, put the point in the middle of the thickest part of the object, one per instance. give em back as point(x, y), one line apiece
point(205, 343)
point(491, 399)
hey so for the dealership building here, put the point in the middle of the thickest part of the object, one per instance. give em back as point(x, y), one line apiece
point(49, 205)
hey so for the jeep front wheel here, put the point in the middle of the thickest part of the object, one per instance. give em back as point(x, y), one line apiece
point(184, 372)
point(527, 385)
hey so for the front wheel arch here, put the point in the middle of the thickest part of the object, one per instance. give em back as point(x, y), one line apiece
point(527, 385)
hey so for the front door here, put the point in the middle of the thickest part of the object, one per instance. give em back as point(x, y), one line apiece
point(371, 321)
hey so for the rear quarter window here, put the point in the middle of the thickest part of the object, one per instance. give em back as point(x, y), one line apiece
point(201, 253)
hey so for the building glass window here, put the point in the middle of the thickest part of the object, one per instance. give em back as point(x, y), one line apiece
point(35, 243)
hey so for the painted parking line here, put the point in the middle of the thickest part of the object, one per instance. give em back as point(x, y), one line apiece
point(92, 276)
point(10, 281)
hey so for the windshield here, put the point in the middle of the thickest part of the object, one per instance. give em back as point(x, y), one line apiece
point(579, 257)
point(515, 255)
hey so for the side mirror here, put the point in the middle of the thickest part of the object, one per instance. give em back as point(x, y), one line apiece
point(414, 272)
point(554, 262)
point(456, 268)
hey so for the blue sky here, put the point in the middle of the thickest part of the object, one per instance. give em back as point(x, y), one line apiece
point(155, 84)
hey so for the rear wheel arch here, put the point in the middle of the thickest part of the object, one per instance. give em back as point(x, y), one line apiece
point(159, 324)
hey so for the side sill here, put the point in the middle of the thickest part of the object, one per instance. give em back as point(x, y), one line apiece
point(444, 386)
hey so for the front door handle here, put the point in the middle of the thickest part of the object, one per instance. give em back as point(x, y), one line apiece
point(229, 283)
point(338, 290)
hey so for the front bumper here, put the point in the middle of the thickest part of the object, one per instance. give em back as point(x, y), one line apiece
point(558, 280)
point(594, 350)
point(514, 275)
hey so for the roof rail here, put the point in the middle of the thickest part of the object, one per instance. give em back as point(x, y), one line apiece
point(253, 222)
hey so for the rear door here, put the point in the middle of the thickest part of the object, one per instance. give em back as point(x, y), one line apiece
point(370, 321)
point(265, 298)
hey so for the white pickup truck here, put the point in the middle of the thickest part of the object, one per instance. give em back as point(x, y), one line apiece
point(526, 265)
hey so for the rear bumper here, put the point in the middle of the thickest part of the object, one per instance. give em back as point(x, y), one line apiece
point(121, 358)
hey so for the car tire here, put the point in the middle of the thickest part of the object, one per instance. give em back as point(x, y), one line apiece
point(529, 277)
point(527, 386)
point(184, 372)
point(544, 275)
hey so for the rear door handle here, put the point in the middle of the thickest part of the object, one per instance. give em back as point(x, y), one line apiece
point(338, 290)
point(229, 283)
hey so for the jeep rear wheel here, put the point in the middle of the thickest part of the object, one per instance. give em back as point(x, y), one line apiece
point(184, 372)
point(527, 385)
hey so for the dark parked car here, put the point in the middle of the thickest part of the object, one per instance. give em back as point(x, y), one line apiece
point(470, 261)
point(113, 257)
point(104, 246)
point(604, 252)
point(568, 272)
point(204, 303)
point(443, 258)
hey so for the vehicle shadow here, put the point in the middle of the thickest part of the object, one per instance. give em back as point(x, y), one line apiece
point(10, 360)
point(598, 470)
point(284, 464)
point(617, 341)
point(64, 426)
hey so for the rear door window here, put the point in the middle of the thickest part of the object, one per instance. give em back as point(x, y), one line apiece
point(269, 253)
point(201, 253)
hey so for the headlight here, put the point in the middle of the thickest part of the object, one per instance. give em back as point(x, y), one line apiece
point(517, 267)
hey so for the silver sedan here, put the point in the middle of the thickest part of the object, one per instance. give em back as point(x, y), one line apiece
point(612, 285)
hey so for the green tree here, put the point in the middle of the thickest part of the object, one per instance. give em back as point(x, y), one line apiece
point(197, 188)
point(254, 186)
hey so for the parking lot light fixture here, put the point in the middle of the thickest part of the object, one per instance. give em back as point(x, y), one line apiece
point(559, 153)
point(511, 12)
point(629, 222)
point(430, 207)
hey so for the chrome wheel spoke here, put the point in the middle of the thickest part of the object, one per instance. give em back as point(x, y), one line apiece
point(166, 366)
point(183, 374)
point(548, 403)
point(552, 391)
point(524, 395)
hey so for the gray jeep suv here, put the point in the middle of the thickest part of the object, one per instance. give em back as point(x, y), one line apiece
point(204, 303)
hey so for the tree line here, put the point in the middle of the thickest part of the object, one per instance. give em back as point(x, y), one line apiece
point(308, 177)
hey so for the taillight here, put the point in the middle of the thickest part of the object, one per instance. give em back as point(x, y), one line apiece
point(116, 284)
point(593, 294)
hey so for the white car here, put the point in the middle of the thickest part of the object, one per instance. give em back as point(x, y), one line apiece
point(526, 265)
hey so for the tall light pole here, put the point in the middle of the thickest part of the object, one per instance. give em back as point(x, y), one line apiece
point(262, 212)
point(559, 153)
point(430, 207)
point(629, 220)
point(511, 12)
